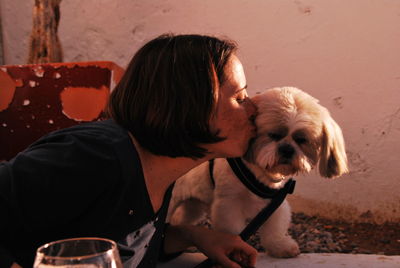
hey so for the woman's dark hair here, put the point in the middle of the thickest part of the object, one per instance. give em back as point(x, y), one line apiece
point(166, 97)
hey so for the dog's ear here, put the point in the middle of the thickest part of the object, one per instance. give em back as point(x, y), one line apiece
point(333, 159)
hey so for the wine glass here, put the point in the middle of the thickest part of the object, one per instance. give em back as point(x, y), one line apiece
point(85, 252)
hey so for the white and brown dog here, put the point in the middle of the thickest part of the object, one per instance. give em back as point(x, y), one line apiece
point(294, 134)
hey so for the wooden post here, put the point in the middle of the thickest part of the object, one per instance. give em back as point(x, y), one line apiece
point(44, 45)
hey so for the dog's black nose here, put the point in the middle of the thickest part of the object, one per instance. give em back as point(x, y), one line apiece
point(286, 150)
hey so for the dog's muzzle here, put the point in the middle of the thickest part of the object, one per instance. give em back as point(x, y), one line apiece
point(286, 151)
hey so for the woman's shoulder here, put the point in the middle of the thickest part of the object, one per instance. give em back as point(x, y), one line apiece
point(107, 130)
point(88, 152)
point(94, 141)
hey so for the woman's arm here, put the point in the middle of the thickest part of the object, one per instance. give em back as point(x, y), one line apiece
point(226, 249)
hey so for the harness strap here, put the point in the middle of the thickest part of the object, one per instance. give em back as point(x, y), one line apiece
point(261, 217)
point(211, 171)
point(249, 180)
point(266, 212)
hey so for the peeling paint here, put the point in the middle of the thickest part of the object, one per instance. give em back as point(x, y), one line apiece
point(117, 73)
point(7, 90)
point(42, 98)
point(32, 83)
point(38, 70)
point(83, 103)
point(19, 82)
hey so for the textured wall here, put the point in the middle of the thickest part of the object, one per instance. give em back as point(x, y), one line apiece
point(345, 53)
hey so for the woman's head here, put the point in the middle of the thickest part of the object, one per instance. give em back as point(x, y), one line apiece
point(168, 93)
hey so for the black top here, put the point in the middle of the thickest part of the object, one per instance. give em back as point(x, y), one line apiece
point(83, 181)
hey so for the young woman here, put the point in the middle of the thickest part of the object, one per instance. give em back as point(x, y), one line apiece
point(181, 101)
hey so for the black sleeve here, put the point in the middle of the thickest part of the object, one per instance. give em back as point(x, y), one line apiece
point(50, 186)
point(6, 258)
point(56, 180)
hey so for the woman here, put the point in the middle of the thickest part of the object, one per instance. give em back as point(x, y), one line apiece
point(181, 101)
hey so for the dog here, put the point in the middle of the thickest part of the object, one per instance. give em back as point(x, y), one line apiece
point(294, 135)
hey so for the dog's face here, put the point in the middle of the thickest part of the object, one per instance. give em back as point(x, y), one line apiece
point(294, 134)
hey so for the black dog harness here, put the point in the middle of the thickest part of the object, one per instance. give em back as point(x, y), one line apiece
point(248, 179)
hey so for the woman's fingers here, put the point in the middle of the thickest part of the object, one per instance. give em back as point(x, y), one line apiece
point(249, 254)
point(243, 258)
point(228, 250)
point(227, 263)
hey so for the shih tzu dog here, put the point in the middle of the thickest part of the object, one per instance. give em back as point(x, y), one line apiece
point(294, 135)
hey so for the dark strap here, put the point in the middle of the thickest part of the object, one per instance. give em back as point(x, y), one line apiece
point(211, 171)
point(249, 180)
point(264, 214)
point(261, 217)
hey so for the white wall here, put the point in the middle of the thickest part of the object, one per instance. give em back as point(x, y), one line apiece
point(345, 53)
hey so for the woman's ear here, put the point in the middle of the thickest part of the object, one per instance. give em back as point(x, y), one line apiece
point(333, 159)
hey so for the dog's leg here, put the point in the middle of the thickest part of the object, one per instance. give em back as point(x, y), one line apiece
point(190, 211)
point(191, 197)
point(274, 234)
point(226, 217)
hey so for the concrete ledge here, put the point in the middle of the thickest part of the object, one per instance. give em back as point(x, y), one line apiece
point(310, 260)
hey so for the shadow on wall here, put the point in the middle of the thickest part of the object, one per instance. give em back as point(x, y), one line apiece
point(39, 98)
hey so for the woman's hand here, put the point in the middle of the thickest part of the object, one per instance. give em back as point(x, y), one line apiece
point(227, 250)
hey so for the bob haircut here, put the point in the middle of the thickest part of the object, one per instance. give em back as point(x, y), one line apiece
point(166, 97)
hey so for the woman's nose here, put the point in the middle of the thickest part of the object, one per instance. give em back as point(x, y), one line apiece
point(252, 109)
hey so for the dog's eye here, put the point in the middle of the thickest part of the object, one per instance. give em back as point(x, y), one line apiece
point(275, 136)
point(300, 140)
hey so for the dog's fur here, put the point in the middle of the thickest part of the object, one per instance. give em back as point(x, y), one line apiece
point(294, 134)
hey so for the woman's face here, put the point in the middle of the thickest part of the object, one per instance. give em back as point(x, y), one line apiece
point(234, 115)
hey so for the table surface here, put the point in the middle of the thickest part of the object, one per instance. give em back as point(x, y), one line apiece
point(311, 260)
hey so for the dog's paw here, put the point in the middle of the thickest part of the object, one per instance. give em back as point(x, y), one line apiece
point(283, 248)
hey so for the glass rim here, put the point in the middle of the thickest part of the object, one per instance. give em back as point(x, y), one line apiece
point(41, 248)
